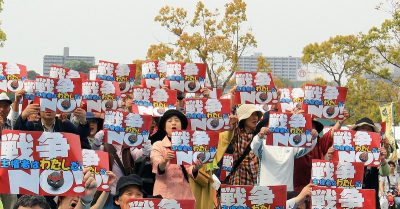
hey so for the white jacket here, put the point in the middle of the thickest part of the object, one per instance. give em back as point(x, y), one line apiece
point(276, 162)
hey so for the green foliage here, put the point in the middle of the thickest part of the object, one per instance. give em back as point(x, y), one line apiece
point(80, 66)
point(3, 36)
point(32, 75)
point(218, 40)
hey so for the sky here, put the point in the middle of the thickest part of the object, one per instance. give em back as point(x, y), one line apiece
point(122, 30)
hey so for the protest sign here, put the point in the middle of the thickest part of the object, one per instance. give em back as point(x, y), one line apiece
point(341, 198)
point(186, 77)
point(192, 146)
point(324, 101)
point(290, 98)
point(100, 96)
point(153, 101)
point(233, 196)
point(255, 88)
point(147, 203)
point(12, 76)
point(154, 74)
point(360, 146)
point(227, 164)
point(61, 95)
point(41, 163)
point(29, 96)
point(337, 174)
point(62, 72)
point(208, 114)
point(127, 128)
point(124, 74)
point(98, 163)
point(290, 130)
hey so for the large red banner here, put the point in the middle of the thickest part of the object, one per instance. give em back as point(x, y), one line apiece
point(152, 101)
point(342, 198)
point(127, 128)
point(324, 101)
point(147, 203)
point(291, 130)
point(98, 163)
point(233, 196)
point(337, 174)
point(255, 88)
point(208, 114)
point(192, 146)
point(12, 76)
point(360, 146)
point(100, 96)
point(186, 77)
point(41, 163)
point(61, 95)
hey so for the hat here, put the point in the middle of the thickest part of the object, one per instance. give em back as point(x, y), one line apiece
point(318, 126)
point(365, 121)
point(4, 97)
point(131, 180)
point(246, 110)
point(160, 134)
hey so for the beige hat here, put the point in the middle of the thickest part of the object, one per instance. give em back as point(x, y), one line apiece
point(245, 110)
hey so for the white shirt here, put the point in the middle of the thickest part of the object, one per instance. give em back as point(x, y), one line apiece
point(276, 162)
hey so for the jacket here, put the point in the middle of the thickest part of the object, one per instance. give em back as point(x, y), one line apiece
point(59, 126)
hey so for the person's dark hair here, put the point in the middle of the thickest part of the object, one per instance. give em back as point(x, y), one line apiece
point(392, 163)
point(32, 201)
point(291, 194)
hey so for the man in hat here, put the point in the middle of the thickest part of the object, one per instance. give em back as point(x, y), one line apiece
point(128, 187)
point(8, 117)
point(303, 165)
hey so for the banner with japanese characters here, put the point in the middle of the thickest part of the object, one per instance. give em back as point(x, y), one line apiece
point(147, 203)
point(62, 72)
point(324, 101)
point(186, 77)
point(227, 164)
point(154, 74)
point(337, 174)
point(233, 196)
point(124, 74)
point(41, 163)
point(342, 198)
point(131, 129)
point(12, 76)
point(255, 88)
point(29, 96)
point(61, 95)
point(193, 146)
point(290, 99)
point(290, 130)
point(360, 146)
point(208, 114)
point(98, 163)
point(100, 96)
point(152, 101)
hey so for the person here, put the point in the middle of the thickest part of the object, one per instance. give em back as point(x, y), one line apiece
point(389, 186)
point(31, 202)
point(371, 174)
point(8, 116)
point(296, 200)
point(95, 125)
point(168, 175)
point(239, 138)
point(84, 202)
point(128, 187)
point(303, 165)
point(277, 163)
point(50, 123)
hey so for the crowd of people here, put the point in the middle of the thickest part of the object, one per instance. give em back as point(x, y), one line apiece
point(148, 173)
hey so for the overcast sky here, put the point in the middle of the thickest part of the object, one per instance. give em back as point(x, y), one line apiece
point(122, 30)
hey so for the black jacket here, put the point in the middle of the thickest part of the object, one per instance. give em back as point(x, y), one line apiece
point(59, 126)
